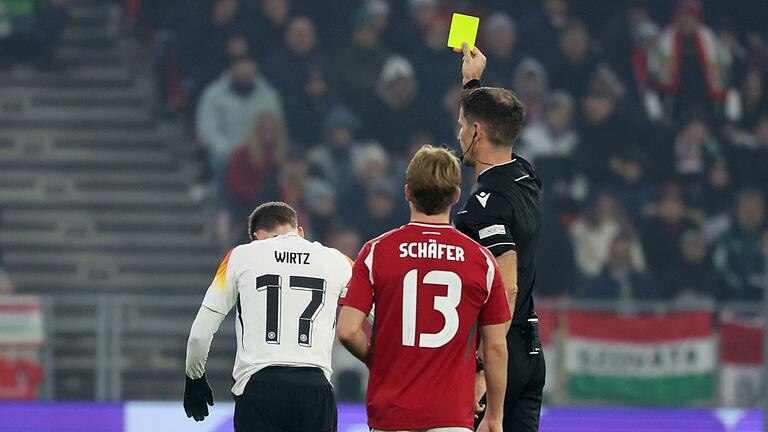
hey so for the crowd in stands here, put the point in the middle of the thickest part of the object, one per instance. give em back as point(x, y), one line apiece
point(647, 121)
point(29, 31)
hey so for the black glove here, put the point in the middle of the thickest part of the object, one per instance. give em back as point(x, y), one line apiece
point(197, 397)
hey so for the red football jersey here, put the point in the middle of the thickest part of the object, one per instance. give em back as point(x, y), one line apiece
point(432, 287)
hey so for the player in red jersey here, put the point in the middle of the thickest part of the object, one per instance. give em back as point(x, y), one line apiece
point(435, 289)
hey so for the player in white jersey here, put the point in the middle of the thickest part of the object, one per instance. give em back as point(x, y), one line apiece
point(286, 290)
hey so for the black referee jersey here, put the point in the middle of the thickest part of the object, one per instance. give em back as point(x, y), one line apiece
point(503, 213)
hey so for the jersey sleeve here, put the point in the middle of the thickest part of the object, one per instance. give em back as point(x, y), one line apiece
point(222, 294)
point(496, 307)
point(490, 222)
point(359, 292)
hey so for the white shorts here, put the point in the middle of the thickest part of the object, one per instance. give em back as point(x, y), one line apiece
point(448, 429)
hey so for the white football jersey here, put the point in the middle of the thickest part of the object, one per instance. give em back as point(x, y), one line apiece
point(286, 290)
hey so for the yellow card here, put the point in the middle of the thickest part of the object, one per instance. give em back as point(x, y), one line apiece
point(463, 29)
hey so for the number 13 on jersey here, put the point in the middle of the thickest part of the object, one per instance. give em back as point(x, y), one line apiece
point(446, 305)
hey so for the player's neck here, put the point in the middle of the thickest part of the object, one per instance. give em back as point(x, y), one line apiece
point(443, 218)
point(494, 157)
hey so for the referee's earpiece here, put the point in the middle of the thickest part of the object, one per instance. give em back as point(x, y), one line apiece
point(472, 143)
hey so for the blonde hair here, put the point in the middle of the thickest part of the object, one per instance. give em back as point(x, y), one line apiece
point(255, 142)
point(434, 177)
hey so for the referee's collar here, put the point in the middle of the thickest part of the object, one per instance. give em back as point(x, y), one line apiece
point(497, 165)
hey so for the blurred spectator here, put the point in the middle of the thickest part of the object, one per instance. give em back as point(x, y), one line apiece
point(401, 33)
point(714, 195)
point(435, 67)
point(749, 155)
point(550, 145)
point(754, 97)
point(691, 276)
point(664, 223)
point(630, 180)
point(253, 167)
point(415, 141)
point(206, 41)
point(531, 86)
point(298, 72)
point(728, 36)
point(695, 152)
point(740, 254)
point(633, 32)
point(272, 20)
point(448, 108)
point(554, 137)
point(554, 252)
point(627, 168)
point(576, 63)
point(500, 39)
point(291, 187)
point(541, 30)
point(394, 113)
point(346, 240)
point(227, 110)
point(757, 45)
point(292, 178)
point(332, 160)
point(593, 233)
point(30, 30)
point(379, 11)
point(370, 164)
point(689, 64)
point(605, 133)
point(381, 210)
point(358, 66)
point(619, 278)
point(701, 166)
point(320, 198)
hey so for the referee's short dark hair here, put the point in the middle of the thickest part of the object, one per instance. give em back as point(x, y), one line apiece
point(271, 215)
point(498, 110)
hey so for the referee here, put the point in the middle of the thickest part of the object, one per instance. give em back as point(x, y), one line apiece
point(503, 214)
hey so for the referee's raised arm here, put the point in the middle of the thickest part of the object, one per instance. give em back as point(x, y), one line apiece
point(503, 214)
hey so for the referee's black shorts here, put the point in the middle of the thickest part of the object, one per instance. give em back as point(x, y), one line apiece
point(286, 399)
point(525, 384)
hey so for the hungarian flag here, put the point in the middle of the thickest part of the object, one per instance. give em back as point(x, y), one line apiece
point(643, 359)
point(741, 360)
